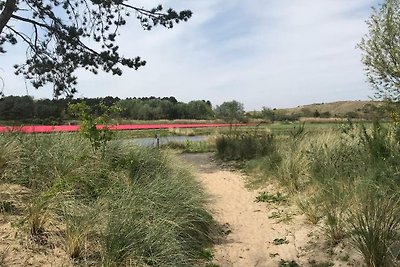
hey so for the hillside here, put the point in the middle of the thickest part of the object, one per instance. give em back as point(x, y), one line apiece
point(338, 109)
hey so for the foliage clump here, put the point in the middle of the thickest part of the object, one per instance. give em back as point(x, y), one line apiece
point(244, 145)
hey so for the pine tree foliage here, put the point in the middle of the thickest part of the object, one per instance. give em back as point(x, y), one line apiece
point(57, 33)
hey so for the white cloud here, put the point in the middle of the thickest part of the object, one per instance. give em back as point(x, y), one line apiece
point(262, 53)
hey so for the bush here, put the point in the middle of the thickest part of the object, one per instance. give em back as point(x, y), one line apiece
point(243, 146)
point(375, 227)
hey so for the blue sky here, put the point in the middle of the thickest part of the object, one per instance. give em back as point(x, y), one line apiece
point(262, 53)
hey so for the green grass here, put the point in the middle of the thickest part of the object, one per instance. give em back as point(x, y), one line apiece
point(129, 207)
point(284, 263)
point(280, 241)
point(7, 207)
point(332, 168)
point(191, 146)
point(278, 198)
point(375, 227)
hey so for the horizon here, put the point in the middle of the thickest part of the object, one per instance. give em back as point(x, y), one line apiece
point(212, 104)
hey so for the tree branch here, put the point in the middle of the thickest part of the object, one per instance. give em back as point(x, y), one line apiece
point(34, 22)
point(7, 12)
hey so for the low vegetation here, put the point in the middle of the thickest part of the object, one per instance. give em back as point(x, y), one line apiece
point(346, 178)
point(238, 145)
point(123, 206)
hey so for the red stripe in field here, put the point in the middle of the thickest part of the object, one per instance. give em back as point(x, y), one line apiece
point(74, 128)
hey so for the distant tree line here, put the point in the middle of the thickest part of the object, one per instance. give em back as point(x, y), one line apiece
point(46, 111)
point(25, 109)
point(367, 112)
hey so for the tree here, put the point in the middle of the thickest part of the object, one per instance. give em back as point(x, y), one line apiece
point(199, 109)
point(56, 33)
point(381, 47)
point(230, 111)
point(268, 114)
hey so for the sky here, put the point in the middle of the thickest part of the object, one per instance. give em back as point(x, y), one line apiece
point(262, 53)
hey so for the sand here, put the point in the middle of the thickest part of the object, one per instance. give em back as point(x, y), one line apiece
point(253, 229)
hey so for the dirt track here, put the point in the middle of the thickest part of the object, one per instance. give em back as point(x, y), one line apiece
point(251, 227)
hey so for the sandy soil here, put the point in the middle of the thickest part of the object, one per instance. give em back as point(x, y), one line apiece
point(16, 247)
point(252, 229)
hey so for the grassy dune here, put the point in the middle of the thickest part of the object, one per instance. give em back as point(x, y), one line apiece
point(346, 179)
point(126, 207)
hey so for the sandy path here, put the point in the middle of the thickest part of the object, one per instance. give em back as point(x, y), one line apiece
point(250, 242)
point(254, 226)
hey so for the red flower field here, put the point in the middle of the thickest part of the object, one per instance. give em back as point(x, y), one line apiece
point(74, 128)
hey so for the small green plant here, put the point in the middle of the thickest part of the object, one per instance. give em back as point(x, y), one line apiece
point(281, 216)
point(95, 129)
point(311, 209)
point(275, 215)
point(207, 254)
point(265, 197)
point(334, 225)
point(280, 241)
point(6, 207)
point(284, 263)
point(314, 263)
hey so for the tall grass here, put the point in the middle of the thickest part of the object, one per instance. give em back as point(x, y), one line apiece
point(336, 170)
point(242, 145)
point(375, 227)
point(129, 207)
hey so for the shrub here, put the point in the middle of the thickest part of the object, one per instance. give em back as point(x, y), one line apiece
point(241, 146)
point(375, 227)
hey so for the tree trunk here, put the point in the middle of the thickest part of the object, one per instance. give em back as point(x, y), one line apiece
point(7, 12)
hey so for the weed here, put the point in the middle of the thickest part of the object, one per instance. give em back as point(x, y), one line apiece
point(345, 257)
point(275, 215)
point(286, 217)
point(280, 241)
point(6, 207)
point(226, 229)
point(314, 263)
point(265, 197)
point(76, 235)
point(310, 207)
point(284, 263)
point(207, 254)
point(334, 225)
point(38, 217)
point(281, 216)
